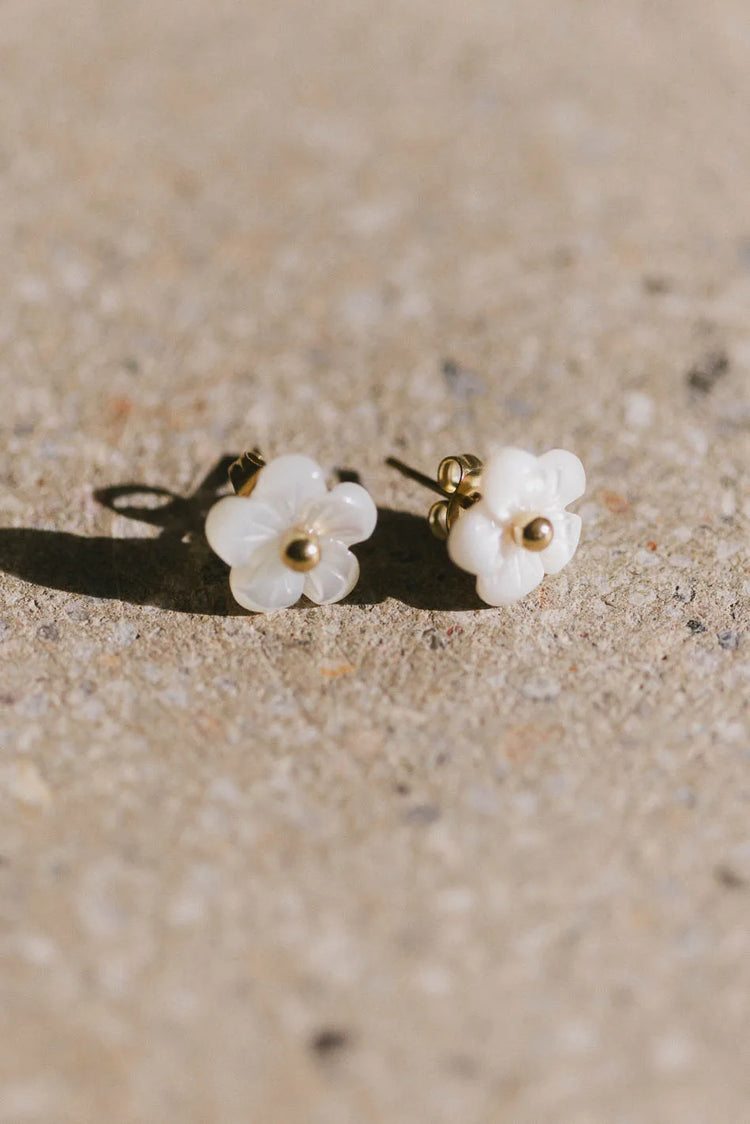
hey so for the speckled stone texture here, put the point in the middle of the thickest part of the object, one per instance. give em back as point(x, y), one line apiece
point(406, 858)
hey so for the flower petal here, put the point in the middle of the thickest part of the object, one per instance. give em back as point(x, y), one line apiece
point(288, 483)
point(347, 513)
point(265, 583)
point(510, 481)
point(565, 476)
point(336, 574)
point(474, 542)
point(567, 532)
point(518, 573)
point(236, 526)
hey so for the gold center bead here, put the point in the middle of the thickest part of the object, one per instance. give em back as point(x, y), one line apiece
point(300, 550)
point(533, 534)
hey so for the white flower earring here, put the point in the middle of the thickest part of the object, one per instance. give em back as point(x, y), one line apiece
point(284, 533)
point(506, 520)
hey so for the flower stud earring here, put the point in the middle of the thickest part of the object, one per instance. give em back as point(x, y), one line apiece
point(284, 533)
point(505, 520)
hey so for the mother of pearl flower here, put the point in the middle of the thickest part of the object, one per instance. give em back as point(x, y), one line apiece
point(519, 529)
point(291, 536)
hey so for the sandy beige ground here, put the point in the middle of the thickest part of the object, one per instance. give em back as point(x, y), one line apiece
point(404, 859)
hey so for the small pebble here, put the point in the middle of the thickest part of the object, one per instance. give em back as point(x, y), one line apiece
point(329, 1041)
point(703, 375)
point(462, 383)
point(655, 284)
point(124, 633)
point(729, 877)
point(422, 814)
point(728, 639)
point(78, 611)
point(615, 503)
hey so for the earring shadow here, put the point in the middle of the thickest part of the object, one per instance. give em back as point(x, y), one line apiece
point(166, 572)
point(402, 560)
point(177, 571)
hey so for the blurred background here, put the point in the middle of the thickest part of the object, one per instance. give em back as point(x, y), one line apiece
point(405, 859)
point(266, 212)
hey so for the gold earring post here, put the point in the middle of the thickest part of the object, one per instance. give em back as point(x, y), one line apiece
point(414, 474)
point(459, 483)
point(243, 473)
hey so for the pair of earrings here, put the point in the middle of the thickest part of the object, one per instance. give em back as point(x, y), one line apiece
point(285, 534)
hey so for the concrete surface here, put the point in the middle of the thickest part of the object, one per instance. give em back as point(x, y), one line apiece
point(404, 859)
